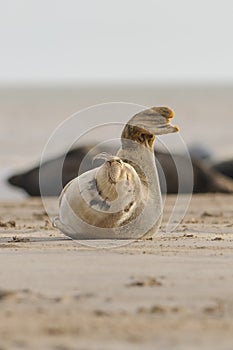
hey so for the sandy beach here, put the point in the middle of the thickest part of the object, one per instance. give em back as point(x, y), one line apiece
point(173, 292)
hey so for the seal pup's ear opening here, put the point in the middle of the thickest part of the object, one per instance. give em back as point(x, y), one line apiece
point(155, 121)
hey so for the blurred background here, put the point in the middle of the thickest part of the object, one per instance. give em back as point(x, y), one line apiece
point(59, 56)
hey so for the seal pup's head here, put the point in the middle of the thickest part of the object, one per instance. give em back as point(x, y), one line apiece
point(116, 179)
point(108, 196)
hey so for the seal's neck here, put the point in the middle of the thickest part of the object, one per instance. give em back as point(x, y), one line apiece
point(139, 152)
point(138, 136)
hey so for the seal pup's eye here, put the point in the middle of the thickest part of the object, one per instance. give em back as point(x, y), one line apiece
point(118, 161)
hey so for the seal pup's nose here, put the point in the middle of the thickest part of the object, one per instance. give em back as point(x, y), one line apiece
point(114, 167)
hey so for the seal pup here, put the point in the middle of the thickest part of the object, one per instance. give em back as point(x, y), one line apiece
point(120, 199)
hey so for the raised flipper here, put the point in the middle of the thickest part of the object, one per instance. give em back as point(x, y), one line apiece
point(144, 126)
point(155, 120)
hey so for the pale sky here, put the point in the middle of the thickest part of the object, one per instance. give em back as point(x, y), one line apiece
point(76, 41)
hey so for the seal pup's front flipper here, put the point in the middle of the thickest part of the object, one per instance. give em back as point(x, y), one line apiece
point(155, 120)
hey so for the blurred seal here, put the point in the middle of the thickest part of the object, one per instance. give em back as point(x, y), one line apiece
point(207, 177)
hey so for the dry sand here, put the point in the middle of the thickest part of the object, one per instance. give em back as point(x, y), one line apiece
point(175, 292)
